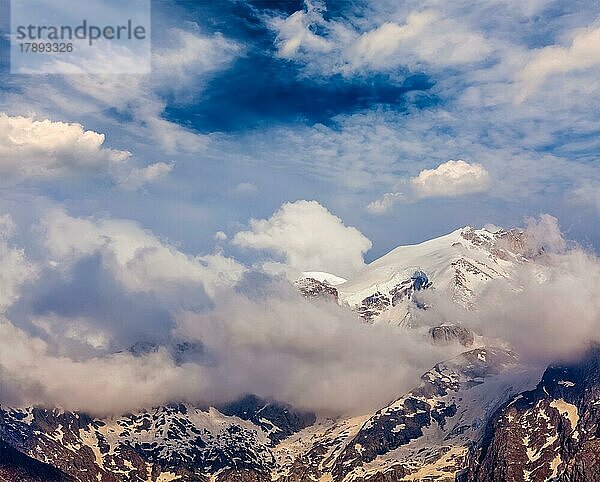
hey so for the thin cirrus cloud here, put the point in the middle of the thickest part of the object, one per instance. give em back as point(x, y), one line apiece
point(32, 149)
point(452, 178)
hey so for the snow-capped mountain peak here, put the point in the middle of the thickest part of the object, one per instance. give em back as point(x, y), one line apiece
point(457, 264)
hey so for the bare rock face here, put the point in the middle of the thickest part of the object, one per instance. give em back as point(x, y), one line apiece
point(432, 405)
point(451, 333)
point(278, 420)
point(312, 288)
point(373, 305)
point(16, 466)
point(550, 433)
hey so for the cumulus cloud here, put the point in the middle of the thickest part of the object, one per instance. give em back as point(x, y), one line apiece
point(43, 149)
point(450, 179)
point(582, 53)
point(139, 177)
point(245, 189)
point(308, 237)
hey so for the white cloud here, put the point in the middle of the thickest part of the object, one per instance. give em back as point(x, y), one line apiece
point(137, 258)
point(582, 53)
point(555, 313)
point(544, 235)
point(294, 32)
point(425, 37)
point(587, 193)
point(33, 376)
point(451, 179)
point(189, 56)
point(314, 355)
point(45, 149)
point(15, 268)
point(42, 148)
point(309, 238)
point(139, 177)
point(385, 203)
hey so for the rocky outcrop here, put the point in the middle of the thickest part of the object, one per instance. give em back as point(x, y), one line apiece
point(550, 433)
point(17, 467)
point(276, 419)
point(450, 333)
point(313, 288)
point(433, 404)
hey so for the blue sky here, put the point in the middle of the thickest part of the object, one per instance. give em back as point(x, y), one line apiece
point(253, 104)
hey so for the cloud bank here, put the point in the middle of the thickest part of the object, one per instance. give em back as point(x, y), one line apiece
point(101, 286)
point(107, 318)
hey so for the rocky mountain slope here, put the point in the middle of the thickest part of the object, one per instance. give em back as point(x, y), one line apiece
point(265, 440)
point(549, 433)
point(477, 416)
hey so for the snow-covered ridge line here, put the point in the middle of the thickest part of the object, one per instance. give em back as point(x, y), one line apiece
point(456, 265)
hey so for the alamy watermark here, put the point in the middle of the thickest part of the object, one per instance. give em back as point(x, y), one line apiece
point(71, 37)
